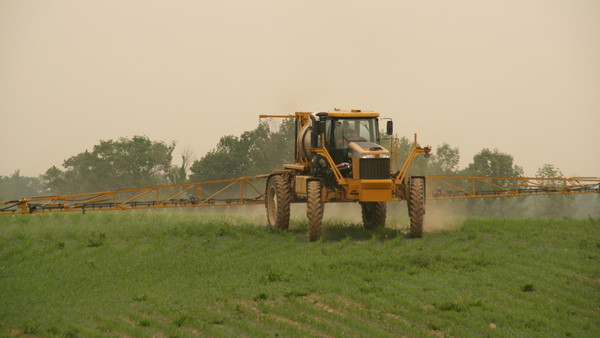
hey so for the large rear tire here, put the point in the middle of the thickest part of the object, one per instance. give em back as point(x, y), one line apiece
point(373, 214)
point(314, 210)
point(278, 197)
point(416, 206)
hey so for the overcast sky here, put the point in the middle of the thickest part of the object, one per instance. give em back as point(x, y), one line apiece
point(520, 76)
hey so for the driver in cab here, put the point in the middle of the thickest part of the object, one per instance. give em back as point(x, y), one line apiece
point(346, 135)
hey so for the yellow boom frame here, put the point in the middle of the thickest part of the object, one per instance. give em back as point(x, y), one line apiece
point(437, 187)
point(164, 196)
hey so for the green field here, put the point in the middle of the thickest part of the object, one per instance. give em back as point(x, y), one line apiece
point(192, 273)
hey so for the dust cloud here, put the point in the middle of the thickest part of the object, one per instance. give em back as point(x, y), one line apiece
point(439, 216)
point(442, 216)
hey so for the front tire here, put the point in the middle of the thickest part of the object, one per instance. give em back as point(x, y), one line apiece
point(373, 214)
point(314, 210)
point(278, 197)
point(416, 206)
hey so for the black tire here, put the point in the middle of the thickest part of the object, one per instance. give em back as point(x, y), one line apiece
point(373, 214)
point(278, 197)
point(314, 210)
point(416, 206)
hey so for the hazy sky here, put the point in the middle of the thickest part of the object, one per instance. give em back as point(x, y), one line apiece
point(522, 76)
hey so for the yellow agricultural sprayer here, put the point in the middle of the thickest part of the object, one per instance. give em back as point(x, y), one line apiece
point(338, 158)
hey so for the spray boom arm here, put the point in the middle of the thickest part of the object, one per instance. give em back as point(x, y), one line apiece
point(414, 152)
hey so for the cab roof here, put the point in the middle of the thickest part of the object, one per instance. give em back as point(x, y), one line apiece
point(352, 113)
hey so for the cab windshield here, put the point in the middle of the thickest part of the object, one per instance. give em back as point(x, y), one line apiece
point(341, 131)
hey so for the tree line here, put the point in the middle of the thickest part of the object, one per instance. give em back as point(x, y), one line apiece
point(140, 162)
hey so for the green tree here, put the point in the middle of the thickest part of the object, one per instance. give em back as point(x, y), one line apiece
point(53, 180)
point(255, 152)
point(15, 186)
point(274, 150)
point(121, 164)
point(552, 205)
point(179, 174)
point(494, 164)
point(444, 161)
point(550, 171)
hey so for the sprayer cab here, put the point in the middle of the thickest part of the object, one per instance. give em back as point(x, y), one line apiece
point(352, 141)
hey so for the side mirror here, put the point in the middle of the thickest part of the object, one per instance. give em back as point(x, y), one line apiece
point(389, 127)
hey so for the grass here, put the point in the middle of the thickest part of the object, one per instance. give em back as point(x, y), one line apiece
point(186, 274)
